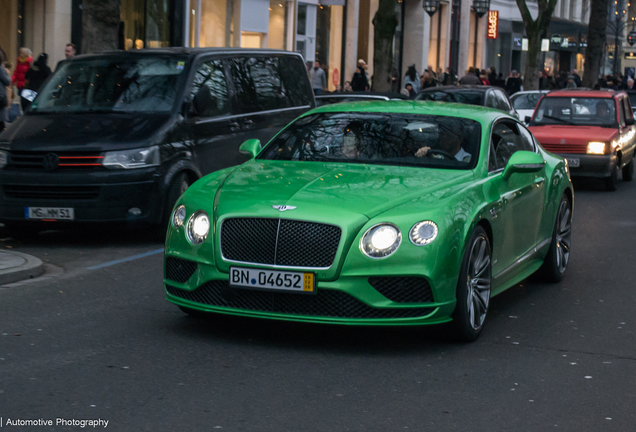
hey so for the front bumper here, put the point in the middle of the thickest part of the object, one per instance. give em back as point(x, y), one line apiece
point(348, 300)
point(600, 166)
point(103, 196)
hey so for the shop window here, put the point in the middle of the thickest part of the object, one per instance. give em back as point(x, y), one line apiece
point(278, 16)
point(213, 23)
point(301, 23)
point(251, 40)
point(144, 24)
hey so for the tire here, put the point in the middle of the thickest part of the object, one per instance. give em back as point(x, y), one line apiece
point(628, 171)
point(610, 182)
point(556, 261)
point(178, 186)
point(473, 287)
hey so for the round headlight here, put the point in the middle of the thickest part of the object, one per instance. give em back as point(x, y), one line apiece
point(198, 227)
point(380, 240)
point(178, 216)
point(423, 233)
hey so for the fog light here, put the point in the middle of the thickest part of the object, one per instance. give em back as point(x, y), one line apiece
point(135, 211)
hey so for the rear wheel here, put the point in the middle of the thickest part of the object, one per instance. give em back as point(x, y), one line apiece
point(473, 287)
point(558, 258)
point(628, 171)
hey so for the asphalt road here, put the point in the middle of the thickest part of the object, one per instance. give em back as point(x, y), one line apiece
point(86, 343)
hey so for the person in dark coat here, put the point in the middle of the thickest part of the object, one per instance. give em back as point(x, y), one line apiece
point(513, 83)
point(35, 77)
point(359, 82)
point(5, 82)
point(492, 76)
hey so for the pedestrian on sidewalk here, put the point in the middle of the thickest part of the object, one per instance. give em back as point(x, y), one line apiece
point(25, 60)
point(70, 50)
point(470, 77)
point(318, 79)
point(483, 77)
point(5, 83)
point(359, 82)
point(35, 77)
point(413, 78)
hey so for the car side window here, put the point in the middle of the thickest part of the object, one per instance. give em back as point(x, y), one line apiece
point(527, 140)
point(258, 84)
point(491, 100)
point(209, 90)
point(502, 101)
point(628, 108)
point(622, 112)
point(506, 141)
point(298, 89)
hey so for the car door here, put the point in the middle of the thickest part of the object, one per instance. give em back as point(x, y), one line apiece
point(270, 91)
point(516, 203)
point(628, 131)
point(212, 125)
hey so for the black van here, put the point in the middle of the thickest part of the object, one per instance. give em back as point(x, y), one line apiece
point(117, 137)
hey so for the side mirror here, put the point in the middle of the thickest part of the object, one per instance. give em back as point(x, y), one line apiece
point(250, 147)
point(630, 121)
point(528, 119)
point(523, 162)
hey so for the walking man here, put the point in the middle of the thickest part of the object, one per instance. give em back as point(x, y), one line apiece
point(318, 79)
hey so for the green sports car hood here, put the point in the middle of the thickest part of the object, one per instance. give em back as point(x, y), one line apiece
point(327, 191)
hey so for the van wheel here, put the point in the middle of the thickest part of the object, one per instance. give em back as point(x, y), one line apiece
point(610, 182)
point(628, 171)
point(178, 186)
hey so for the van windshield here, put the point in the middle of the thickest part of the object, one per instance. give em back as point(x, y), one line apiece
point(111, 84)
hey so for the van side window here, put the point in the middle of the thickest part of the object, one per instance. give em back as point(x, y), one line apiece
point(209, 90)
point(258, 84)
point(622, 112)
point(298, 90)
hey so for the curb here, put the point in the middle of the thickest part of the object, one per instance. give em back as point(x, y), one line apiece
point(31, 268)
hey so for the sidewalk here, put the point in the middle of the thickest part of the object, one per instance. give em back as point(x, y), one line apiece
point(16, 266)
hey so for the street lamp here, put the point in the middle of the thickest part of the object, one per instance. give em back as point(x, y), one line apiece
point(481, 8)
point(431, 6)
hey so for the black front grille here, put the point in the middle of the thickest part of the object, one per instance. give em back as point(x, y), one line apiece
point(325, 303)
point(179, 270)
point(279, 242)
point(64, 160)
point(51, 192)
point(403, 289)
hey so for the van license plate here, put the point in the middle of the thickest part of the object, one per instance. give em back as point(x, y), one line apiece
point(574, 162)
point(56, 213)
point(241, 277)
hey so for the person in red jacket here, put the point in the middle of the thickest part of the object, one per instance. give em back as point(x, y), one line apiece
point(23, 65)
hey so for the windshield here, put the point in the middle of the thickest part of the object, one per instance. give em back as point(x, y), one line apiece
point(374, 138)
point(576, 111)
point(466, 97)
point(526, 101)
point(111, 84)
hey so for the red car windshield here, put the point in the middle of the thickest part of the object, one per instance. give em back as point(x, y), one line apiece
point(576, 111)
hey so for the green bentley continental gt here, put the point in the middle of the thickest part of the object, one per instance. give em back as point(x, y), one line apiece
point(374, 213)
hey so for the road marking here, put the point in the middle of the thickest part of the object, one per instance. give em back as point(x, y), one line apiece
point(130, 258)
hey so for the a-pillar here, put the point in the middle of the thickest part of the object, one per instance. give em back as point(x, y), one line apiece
point(464, 28)
point(417, 36)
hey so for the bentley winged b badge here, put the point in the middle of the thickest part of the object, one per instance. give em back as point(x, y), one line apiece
point(283, 207)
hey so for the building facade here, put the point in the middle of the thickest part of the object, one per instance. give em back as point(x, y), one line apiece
point(336, 33)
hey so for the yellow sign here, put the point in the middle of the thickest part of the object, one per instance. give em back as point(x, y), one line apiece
point(308, 282)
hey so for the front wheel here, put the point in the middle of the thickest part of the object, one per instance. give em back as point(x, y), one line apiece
point(558, 258)
point(473, 287)
point(610, 182)
point(628, 171)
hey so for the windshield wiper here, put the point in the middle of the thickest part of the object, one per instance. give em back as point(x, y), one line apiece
point(559, 119)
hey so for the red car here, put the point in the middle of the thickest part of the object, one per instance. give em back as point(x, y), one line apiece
point(593, 129)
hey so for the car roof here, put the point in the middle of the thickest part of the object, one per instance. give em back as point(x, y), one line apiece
point(450, 109)
point(362, 94)
point(181, 51)
point(530, 92)
point(457, 88)
point(585, 92)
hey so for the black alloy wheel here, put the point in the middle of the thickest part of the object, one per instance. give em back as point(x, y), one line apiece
point(473, 287)
point(628, 171)
point(558, 257)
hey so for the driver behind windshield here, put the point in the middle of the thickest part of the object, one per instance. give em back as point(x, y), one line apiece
point(602, 111)
point(451, 141)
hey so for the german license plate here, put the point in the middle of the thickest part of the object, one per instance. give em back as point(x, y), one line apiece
point(56, 213)
point(574, 162)
point(241, 277)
